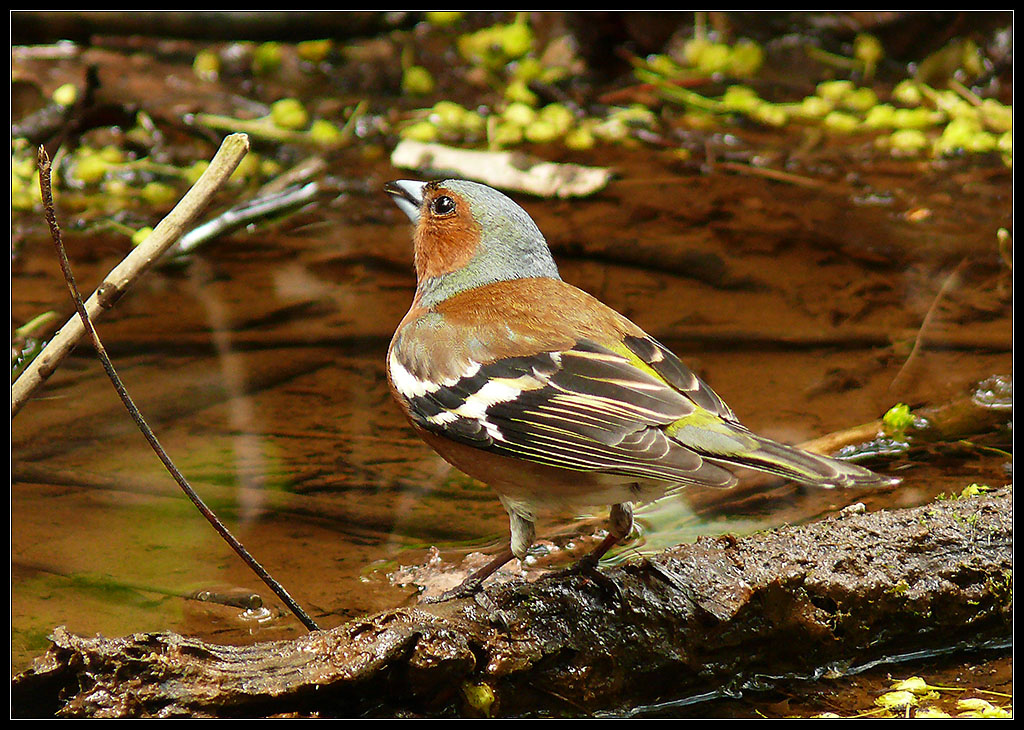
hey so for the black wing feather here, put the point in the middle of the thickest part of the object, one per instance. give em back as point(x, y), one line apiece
point(586, 408)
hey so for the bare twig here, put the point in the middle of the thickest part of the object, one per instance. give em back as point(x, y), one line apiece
point(121, 277)
point(245, 213)
point(86, 322)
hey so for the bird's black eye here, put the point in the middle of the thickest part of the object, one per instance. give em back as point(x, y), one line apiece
point(442, 205)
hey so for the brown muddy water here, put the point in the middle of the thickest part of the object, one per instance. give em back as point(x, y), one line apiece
point(259, 363)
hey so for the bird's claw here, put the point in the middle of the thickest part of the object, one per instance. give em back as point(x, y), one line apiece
point(587, 568)
point(465, 589)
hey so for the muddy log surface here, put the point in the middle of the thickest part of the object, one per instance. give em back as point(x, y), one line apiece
point(711, 617)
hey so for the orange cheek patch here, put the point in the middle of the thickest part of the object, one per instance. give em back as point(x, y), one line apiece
point(443, 245)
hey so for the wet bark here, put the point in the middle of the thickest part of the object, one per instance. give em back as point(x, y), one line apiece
point(710, 617)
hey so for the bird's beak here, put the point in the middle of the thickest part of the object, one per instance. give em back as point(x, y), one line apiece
point(408, 195)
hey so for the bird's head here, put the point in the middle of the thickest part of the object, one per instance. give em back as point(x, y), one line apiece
point(468, 235)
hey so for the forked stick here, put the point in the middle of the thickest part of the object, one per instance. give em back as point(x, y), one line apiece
point(84, 321)
point(134, 265)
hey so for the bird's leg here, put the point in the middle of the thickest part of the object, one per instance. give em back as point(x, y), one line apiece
point(620, 524)
point(522, 534)
point(474, 580)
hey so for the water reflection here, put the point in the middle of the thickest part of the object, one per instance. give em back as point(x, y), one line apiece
point(260, 366)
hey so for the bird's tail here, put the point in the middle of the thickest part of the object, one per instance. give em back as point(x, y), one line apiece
point(802, 466)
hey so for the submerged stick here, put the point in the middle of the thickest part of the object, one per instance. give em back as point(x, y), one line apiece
point(987, 407)
point(134, 265)
point(86, 323)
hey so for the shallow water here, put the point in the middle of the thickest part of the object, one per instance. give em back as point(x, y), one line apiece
point(260, 365)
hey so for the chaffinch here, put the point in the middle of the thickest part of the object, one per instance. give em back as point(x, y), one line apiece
point(544, 393)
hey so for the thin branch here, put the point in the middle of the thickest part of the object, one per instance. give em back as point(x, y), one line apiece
point(86, 321)
point(122, 276)
point(245, 213)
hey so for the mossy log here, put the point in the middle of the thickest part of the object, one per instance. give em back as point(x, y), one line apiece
point(710, 617)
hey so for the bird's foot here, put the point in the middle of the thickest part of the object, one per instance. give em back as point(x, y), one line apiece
point(473, 581)
point(587, 567)
point(465, 589)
